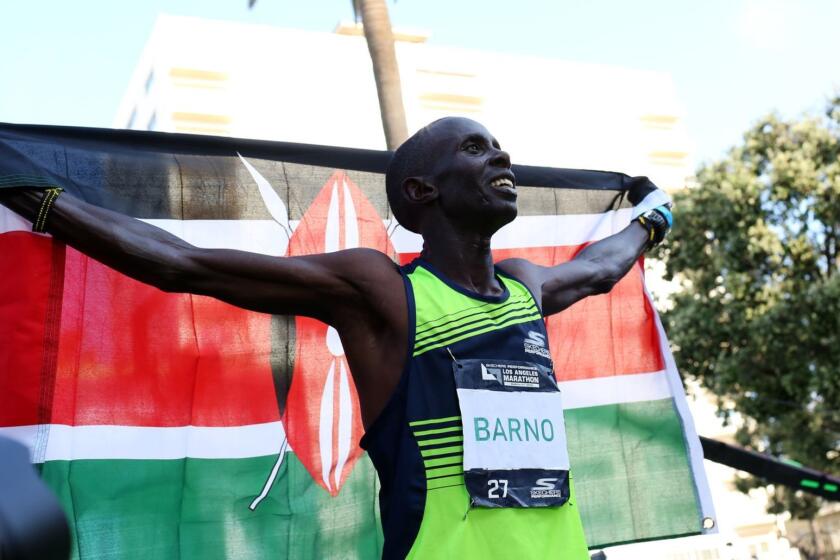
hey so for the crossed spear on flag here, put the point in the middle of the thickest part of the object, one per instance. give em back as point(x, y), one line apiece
point(337, 412)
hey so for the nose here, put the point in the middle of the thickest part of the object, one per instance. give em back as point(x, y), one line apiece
point(500, 159)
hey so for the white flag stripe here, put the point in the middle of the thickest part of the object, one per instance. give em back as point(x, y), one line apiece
point(257, 236)
point(553, 230)
point(655, 198)
point(67, 443)
point(616, 389)
point(269, 238)
point(265, 236)
point(9, 221)
point(537, 231)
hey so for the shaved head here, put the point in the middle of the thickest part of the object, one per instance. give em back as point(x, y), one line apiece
point(411, 159)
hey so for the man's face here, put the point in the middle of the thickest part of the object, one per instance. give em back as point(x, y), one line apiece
point(477, 189)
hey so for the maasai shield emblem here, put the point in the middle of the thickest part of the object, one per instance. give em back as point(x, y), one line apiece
point(322, 417)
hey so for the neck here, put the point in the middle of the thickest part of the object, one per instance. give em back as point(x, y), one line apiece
point(463, 257)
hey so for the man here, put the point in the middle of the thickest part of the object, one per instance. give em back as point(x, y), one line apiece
point(431, 345)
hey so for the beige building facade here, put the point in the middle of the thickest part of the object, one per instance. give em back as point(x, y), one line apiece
point(229, 79)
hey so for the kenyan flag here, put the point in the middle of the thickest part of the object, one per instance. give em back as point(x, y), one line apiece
point(177, 426)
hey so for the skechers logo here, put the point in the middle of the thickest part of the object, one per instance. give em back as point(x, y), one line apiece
point(545, 488)
point(535, 344)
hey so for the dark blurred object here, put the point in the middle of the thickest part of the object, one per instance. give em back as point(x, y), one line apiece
point(598, 555)
point(786, 473)
point(32, 523)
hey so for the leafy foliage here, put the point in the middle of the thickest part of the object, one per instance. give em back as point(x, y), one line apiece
point(757, 252)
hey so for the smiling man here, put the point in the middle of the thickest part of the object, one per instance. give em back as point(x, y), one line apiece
point(449, 353)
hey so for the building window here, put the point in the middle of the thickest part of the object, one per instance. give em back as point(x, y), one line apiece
point(671, 158)
point(449, 91)
point(202, 123)
point(659, 122)
point(196, 78)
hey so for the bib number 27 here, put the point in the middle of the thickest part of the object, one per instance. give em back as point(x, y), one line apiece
point(495, 486)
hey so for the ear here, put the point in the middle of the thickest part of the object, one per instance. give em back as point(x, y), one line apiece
point(418, 191)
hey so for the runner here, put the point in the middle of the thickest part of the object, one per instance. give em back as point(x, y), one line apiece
point(449, 354)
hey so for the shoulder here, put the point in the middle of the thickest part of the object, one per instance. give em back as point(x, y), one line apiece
point(526, 272)
point(362, 267)
point(360, 256)
point(366, 294)
point(520, 269)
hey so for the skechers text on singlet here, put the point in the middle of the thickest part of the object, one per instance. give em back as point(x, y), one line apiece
point(416, 444)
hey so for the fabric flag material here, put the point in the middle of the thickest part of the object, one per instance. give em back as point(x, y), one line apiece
point(177, 426)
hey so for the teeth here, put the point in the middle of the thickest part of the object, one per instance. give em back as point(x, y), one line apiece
point(503, 182)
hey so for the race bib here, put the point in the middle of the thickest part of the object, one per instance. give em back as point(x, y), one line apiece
point(514, 435)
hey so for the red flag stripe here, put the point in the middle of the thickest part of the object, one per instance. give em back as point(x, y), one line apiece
point(24, 299)
point(600, 336)
point(130, 354)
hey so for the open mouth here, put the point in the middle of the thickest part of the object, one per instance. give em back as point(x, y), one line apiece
point(502, 183)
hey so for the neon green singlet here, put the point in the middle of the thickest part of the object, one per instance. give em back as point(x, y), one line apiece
point(416, 446)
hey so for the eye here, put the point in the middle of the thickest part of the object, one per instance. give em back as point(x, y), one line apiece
point(472, 147)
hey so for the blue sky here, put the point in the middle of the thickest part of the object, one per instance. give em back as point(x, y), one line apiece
point(68, 62)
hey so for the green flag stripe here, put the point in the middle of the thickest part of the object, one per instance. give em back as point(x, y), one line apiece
point(198, 509)
point(631, 472)
point(629, 461)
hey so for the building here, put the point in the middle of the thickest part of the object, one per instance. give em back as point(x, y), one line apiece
point(256, 81)
point(826, 529)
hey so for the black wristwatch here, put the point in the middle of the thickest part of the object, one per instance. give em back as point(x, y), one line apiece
point(656, 224)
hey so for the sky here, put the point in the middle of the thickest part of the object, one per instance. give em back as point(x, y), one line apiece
point(733, 61)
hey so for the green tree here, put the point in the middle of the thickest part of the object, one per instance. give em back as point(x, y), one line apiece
point(757, 322)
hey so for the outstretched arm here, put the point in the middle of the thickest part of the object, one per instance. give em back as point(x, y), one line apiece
point(595, 270)
point(317, 285)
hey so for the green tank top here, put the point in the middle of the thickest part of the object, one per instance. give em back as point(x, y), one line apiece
point(416, 443)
